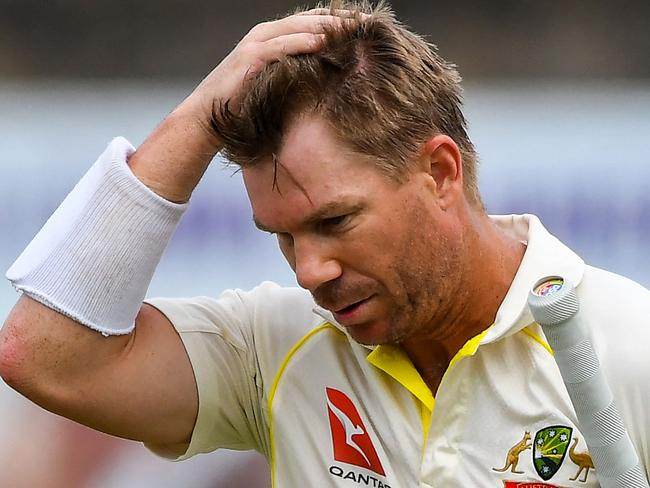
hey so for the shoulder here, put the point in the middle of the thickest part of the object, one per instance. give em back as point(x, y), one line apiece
point(268, 305)
point(614, 305)
point(266, 321)
point(617, 312)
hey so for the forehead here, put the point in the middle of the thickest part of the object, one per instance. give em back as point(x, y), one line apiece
point(312, 169)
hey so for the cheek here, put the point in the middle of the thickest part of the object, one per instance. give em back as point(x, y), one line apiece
point(374, 256)
point(378, 244)
point(285, 243)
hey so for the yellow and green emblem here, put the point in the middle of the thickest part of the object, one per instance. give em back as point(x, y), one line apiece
point(549, 450)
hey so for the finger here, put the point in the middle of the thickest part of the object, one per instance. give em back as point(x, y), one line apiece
point(327, 11)
point(346, 14)
point(295, 24)
point(290, 45)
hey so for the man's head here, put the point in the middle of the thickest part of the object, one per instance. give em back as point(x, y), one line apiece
point(383, 89)
point(386, 257)
point(357, 158)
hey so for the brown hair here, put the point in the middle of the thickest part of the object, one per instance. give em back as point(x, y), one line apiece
point(383, 89)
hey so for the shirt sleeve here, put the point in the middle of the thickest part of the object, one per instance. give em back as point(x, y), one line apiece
point(217, 335)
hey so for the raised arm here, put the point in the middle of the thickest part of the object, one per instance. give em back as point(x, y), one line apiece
point(131, 382)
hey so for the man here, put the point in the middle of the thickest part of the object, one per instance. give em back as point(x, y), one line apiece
point(409, 359)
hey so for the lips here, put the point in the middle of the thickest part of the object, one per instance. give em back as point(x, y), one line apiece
point(352, 313)
point(346, 309)
point(350, 307)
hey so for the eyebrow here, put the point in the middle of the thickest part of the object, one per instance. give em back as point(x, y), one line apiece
point(328, 210)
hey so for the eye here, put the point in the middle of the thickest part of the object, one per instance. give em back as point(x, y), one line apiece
point(333, 224)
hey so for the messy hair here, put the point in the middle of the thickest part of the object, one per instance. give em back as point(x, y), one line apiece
point(383, 90)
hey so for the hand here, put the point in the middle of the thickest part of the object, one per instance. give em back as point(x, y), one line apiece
point(174, 157)
point(264, 44)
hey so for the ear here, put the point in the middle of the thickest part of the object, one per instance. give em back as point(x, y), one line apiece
point(442, 161)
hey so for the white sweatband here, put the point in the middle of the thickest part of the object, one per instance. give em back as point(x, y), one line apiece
point(94, 258)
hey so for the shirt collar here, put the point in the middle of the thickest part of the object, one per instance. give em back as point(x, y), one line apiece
point(545, 256)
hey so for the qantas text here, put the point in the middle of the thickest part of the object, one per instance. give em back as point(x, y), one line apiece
point(362, 479)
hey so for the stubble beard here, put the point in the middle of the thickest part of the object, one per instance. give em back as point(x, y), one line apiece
point(424, 307)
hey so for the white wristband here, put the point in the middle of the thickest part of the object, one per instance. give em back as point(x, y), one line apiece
point(94, 258)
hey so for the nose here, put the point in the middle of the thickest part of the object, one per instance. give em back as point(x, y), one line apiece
point(314, 263)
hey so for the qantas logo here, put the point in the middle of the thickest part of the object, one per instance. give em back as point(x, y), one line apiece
point(352, 444)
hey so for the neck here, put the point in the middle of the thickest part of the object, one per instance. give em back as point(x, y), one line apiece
point(492, 260)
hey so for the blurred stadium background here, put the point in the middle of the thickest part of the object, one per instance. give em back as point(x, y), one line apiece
point(557, 97)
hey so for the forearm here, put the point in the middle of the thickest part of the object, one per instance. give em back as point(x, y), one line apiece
point(172, 160)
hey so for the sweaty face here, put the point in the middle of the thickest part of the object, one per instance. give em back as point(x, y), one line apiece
point(377, 253)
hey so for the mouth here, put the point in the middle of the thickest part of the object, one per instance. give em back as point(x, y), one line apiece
point(349, 313)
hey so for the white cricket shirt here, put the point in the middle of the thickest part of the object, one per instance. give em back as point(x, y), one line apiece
point(276, 374)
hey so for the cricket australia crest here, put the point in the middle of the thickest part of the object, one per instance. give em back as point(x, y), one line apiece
point(549, 449)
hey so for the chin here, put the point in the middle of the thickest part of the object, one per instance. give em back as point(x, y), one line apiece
point(375, 333)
